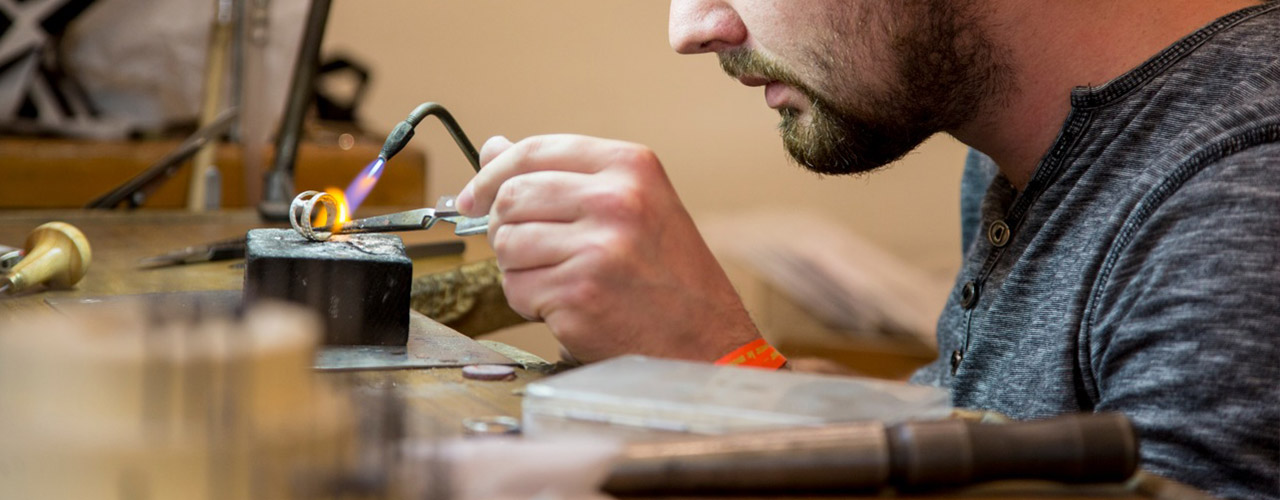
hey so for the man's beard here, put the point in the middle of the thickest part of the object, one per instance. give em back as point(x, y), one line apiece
point(944, 70)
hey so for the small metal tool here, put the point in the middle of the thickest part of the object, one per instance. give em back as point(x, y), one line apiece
point(9, 257)
point(219, 250)
point(278, 182)
point(302, 213)
point(134, 192)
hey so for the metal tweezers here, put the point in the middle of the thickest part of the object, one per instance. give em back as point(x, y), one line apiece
point(301, 213)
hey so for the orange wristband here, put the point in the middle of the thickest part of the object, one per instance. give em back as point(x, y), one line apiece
point(756, 354)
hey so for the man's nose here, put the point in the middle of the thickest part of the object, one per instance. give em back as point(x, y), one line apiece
point(700, 26)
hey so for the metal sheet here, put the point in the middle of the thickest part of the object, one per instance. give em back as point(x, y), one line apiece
point(431, 344)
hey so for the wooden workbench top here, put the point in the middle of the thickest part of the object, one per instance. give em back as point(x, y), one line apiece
point(119, 239)
point(436, 399)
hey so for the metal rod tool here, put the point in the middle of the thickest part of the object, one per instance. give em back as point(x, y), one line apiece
point(279, 180)
point(134, 192)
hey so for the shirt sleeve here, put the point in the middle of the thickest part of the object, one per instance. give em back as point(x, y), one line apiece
point(1185, 337)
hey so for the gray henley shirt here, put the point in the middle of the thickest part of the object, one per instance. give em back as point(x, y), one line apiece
point(1139, 271)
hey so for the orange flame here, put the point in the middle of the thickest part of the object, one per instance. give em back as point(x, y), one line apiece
point(344, 213)
point(348, 201)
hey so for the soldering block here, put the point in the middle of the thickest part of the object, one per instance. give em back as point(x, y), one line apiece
point(358, 284)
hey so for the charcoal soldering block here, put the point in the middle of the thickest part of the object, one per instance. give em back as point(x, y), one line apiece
point(358, 283)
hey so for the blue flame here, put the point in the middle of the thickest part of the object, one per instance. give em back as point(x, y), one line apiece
point(360, 187)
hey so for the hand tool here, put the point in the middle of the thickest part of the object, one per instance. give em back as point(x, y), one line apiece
point(871, 455)
point(303, 214)
point(134, 192)
point(219, 250)
point(278, 182)
point(249, 93)
point(57, 254)
point(205, 188)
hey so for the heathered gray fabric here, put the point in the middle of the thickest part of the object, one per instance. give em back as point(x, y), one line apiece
point(1143, 274)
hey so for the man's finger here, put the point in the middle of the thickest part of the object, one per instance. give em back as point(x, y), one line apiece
point(531, 245)
point(570, 153)
point(547, 196)
point(492, 148)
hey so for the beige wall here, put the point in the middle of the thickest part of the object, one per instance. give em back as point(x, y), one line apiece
point(604, 68)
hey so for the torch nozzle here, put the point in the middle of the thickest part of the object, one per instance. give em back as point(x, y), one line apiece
point(403, 132)
point(396, 140)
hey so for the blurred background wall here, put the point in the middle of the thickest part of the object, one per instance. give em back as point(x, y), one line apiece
point(606, 69)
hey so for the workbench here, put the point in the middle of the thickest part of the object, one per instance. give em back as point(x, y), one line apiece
point(120, 238)
point(436, 400)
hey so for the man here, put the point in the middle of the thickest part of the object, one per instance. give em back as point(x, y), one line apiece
point(1128, 257)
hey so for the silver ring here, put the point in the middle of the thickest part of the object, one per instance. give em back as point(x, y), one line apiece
point(302, 212)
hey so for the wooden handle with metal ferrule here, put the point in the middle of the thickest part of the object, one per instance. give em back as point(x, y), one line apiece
point(1083, 448)
point(57, 254)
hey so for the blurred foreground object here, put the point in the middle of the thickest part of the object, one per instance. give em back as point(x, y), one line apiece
point(57, 253)
point(135, 402)
point(504, 468)
point(1092, 448)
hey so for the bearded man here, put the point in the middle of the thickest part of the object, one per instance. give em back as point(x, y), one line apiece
point(1123, 205)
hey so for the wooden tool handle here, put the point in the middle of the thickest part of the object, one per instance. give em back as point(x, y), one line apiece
point(1083, 448)
point(57, 254)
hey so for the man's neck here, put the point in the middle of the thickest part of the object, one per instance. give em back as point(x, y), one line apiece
point(1055, 46)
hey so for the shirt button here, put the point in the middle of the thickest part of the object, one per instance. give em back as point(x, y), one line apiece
point(956, 358)
point(998, 234)
point(969, 295)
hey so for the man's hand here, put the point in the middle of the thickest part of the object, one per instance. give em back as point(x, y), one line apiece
point(593, 240)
